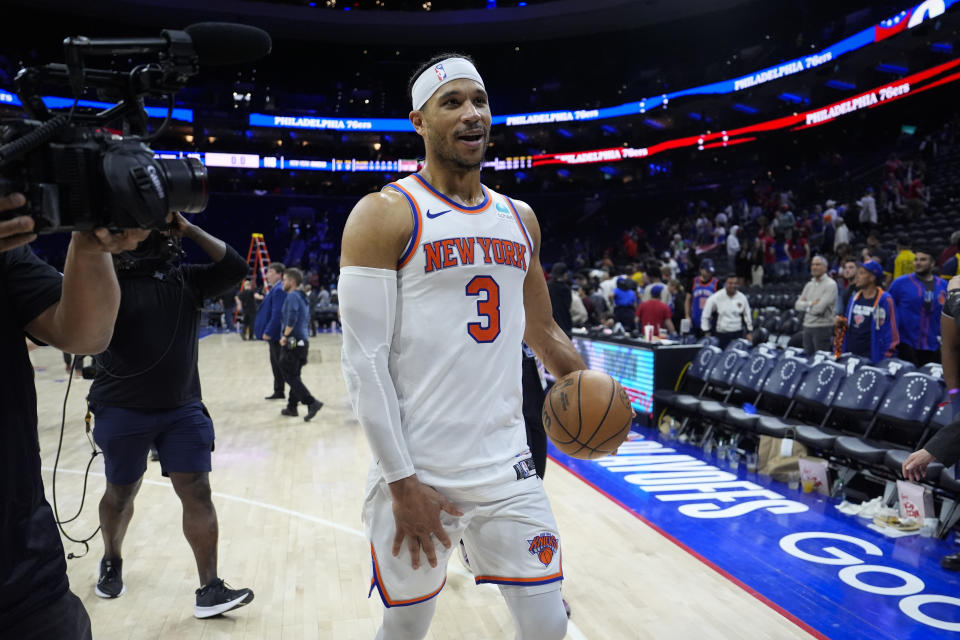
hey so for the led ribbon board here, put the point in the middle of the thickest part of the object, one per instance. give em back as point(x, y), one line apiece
point(917, 83)
point(906, 19)
point(911, 85)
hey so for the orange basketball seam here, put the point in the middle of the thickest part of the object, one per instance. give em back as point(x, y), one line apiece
point(617, 434)
point(556, 417)
point(579, 408)
point(584, 444)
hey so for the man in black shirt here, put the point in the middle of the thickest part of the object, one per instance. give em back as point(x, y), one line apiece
point(74, 312)
point(247, 300)
point(147, 391)
point(229, 301)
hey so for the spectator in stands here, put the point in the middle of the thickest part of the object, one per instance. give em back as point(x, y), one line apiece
point(578, 310)
point(781, 265)
point(655, 287)
point(784, 220)
point(904, 262)
point(733, 313)
point(703, 286)
point(873, 249)
point(830, 212)
point(871, 316)
point(950, 251)
point(916, 195)
point(560, 296)
point(657, 313)
point(846, 287)
point(607, 285)
point(625, 304)
point(868, 210)
point(733, 243)
point(919, 298)
point(950, 265)
point(818, 301)
point(841, 234)
point(599, 302)
point(799, 250)
point(758, 261)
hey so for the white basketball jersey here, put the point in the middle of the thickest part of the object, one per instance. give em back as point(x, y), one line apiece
point(456, 353)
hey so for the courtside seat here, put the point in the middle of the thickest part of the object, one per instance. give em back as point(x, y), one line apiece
point(688, 396)
point(811, 403)
point(900, 421)
point(934, 369)
point(776, 397)
point(721, 379)
point(941, 418)
point(949, 481)
point(740, 344)
point(852, 409)
point(747, 386)
point(896, 366)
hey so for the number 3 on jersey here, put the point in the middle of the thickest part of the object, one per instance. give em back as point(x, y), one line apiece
point(487, 307)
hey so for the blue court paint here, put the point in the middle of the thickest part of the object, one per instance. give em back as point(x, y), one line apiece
point(779, 543)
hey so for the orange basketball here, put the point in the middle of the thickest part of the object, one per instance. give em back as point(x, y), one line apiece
point(587, 414)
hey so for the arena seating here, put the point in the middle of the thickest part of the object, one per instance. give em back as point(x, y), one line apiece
point(862, 418)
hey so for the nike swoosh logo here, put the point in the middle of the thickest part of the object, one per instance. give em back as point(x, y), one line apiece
point(437, 214)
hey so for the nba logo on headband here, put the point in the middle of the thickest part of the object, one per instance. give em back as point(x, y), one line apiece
point(434, 77)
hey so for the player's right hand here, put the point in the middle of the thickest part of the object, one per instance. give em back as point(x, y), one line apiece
point(416, 511)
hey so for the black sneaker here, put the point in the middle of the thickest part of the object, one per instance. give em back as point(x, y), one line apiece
point(287, 411)
point(110, 581)
point(217, 597)
point(276, 396)
point(312, 410)
point(951, 562)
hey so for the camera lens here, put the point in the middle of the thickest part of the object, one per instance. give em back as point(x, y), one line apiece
point(186, 184)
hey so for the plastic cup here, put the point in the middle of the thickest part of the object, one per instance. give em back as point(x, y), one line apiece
point(733, 459)
point(752, 459)
point(807, 484)
point(793, 480)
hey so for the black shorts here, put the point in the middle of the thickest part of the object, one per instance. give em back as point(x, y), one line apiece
point(183, 437)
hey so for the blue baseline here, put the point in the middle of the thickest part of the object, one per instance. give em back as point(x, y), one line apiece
point(747, 548)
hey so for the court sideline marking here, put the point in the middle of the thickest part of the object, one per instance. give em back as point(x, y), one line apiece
point(573, 632)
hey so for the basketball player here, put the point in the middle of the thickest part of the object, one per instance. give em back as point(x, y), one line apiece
point(440, 284)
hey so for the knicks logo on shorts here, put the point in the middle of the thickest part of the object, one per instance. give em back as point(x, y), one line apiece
point(544, 546)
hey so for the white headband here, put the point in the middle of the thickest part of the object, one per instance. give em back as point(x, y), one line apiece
point(439, 75)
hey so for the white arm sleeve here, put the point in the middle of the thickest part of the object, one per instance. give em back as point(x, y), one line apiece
point(368, 307)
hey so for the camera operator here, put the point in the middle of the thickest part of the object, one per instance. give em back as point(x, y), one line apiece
point(74, 312)
point(147, 391)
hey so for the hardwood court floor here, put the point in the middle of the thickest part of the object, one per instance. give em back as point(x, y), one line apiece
point(288, 495)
